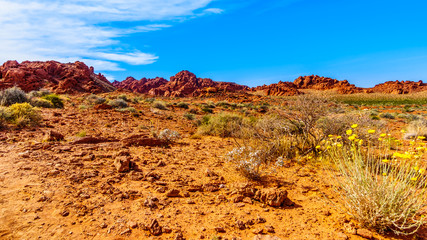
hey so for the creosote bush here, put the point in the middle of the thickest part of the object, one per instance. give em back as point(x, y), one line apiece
point(383, 191)
point(11, 96)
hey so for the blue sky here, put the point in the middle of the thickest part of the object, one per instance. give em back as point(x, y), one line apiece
point(251, 42)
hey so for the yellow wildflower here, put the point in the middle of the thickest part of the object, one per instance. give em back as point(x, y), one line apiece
point(380, 139)
point(349, 132)
point(360, 142)
point(352, 137)
point(330, 135)
point(382, 135)
point(384, 174)
point(414, 179)
point(317, 147)
point(339, 137)
point(354, 126)
point(371, 131)
point(421, 137)
point(403, 131)
point(416, 168)
point(385, 161)
point(339, 145)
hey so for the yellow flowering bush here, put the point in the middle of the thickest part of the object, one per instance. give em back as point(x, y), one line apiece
point(383, 189)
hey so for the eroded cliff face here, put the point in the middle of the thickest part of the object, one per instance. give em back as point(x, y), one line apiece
point(54, 76)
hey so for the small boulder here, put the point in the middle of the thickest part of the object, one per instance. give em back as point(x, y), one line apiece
point(53, 136)
point(122, 164)
point(273, 197)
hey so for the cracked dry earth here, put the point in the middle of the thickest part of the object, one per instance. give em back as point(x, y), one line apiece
point(72, 189)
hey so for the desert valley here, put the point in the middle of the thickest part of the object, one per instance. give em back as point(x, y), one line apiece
point(192, 158)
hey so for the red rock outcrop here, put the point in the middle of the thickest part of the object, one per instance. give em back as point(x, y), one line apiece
point(325, 83)
point(182, 84)
point(279, 89)
point(400, 87)
point(143, 85)
point(57, 77)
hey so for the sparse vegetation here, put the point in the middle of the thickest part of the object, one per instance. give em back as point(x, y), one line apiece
point(382, 191)
point(11, 96)
point(118, 103)
point(23, 114)
point(159, 105)
point(54, 99)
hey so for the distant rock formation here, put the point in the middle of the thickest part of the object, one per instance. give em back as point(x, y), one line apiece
point(325, 83)
point(54, 76)
point(143, 85)
point(182, 84)
point(279, 89)
point(400, 87)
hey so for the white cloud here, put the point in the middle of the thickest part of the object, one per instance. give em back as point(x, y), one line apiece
point(82, 30)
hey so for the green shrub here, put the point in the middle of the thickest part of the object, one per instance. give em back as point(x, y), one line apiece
point(11, 96)
point(207, 109)
point(387, 115)
point(182, 105)
point(128, 109)
point(81, 134)
point(189, 116)
point(150, 100)
point(222, 125)
point(123, 97)
point(23, 114)
point(159, 105)
point(54, 99)
point(41, 103)
point(118, 103)
point(94, 100)
point(4, 117)
point(38, 94)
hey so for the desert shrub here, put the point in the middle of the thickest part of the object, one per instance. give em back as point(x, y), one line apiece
point(222, 125)
point(169, 135)
point(251, 162)
point(39, 93)
point(193, 111)
point(189, 116)
point(83, 107)
point(182, 105)
point(54, 99)
point(206, 109)
point(118, 103)
point(94, 100)
point(387, 115)
point(159, 105)
point(81, 133)
point(337, 124)
point(41, 103)
point(417, 128)
point(383, 192)
point(23, 114)
point(150, 100)
point(11, 96)
point(128, 109)
point(137, 99)
point(123, 97)
point(4, 117)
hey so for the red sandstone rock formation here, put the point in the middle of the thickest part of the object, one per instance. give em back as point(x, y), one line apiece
point(57, 77)
point(279, 89)
point(141, 86)
point(324, 83)
point(400, 87)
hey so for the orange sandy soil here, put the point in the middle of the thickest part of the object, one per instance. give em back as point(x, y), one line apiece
point(62, 190)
